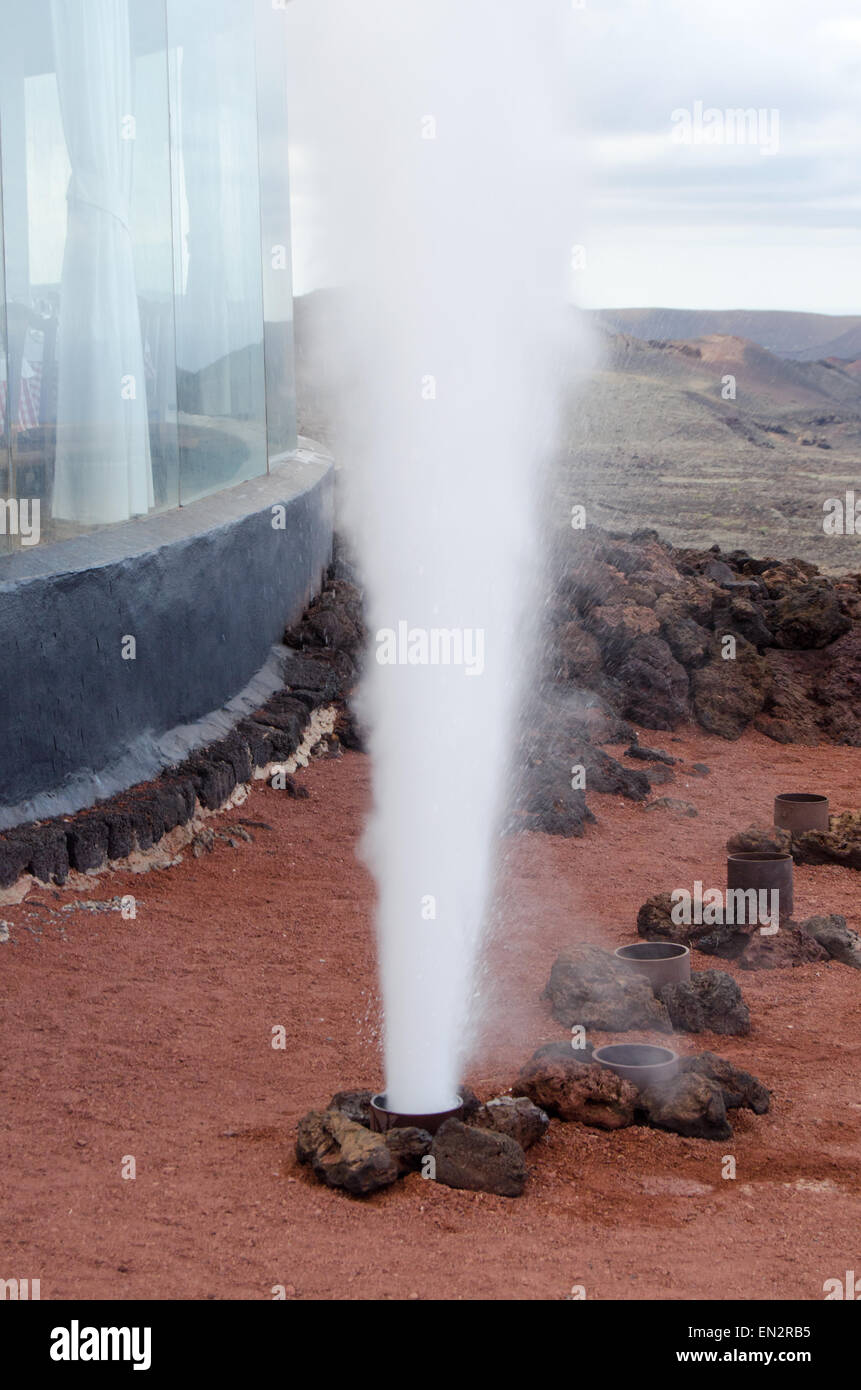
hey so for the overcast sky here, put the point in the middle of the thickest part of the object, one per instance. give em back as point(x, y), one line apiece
point(687, 225)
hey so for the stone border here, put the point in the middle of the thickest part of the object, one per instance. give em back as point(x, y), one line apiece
point(204, 591)
point(149, 824)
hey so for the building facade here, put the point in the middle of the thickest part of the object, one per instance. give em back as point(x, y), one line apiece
point(150, 476)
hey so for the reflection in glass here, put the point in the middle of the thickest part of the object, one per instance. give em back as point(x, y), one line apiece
point(145, 287)
point(218, 277)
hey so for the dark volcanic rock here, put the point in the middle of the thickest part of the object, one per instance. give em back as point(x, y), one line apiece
point(606, 774)
point(470, 1102)
point(836, 938)
point(654, 920)
point(15, 855)
point(48, 850)
point(408, 1146)
point(728, 694)
point(563, 1052)
point(710, 1002)
point(739, 615)
point(87, 838)
point(581, 1091)
point(334, 619)
point(652, 686)
point(689, 1104)
point(768, 839)
point(356, 1105)
point(649, 755)
point(840, 844)
point(659, 775)
point(547, 800)
point(478, 1160)
point(516, 1116)
point(577, 655)
point(344, 1154)
point(740, 1089)
point(672, 803)
point(789, 946)
point(807, 617)
point(589, 987)
point(655, 923)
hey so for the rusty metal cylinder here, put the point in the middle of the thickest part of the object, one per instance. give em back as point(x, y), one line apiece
point(641, 1063)
point(800, 811)
point(383, 1119)
point(763, 871)
point(660, 962)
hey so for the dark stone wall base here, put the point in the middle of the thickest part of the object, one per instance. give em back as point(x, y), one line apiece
point(112, 644)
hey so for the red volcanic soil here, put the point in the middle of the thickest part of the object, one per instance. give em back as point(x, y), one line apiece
point(152, 1038)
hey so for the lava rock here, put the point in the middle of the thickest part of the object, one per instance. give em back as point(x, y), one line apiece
point(355, 1105)
point(577, 655)
point(654, 920)
point(658, 776)
point(214, 781)
point(351, 731)
point(737, 614)
point(49, 852)
point(121, 834)
point(87, 839)
point(719, 572)
point(590, 987)
point(689, 1104)
point(740, 1089)
point(14, 857)
point(840, 844)
point(469, 1101)
point(760, 840)
point(344, 1154)
point(408, 1146)
point(700, 769)
point(652, 686)
point(547, 801)
point(710, 1002)
point(582, 1091)
point(727, 695)
point(649, 755)
point(606, 774)
point(478, 1160)
point(789, 946)
point(563, 1052)
point(836, 938)
point(655, 923)
point(516, 1116)
point(334, 619)
point(807, 617)
point(672, 803)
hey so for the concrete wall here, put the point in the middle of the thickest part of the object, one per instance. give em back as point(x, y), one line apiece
point(205, 592)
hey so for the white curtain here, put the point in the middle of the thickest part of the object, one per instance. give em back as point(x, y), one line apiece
point(103, 470)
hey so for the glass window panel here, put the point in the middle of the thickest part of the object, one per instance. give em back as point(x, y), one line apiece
point(275, 223)
point(217, 265)
point(90, 373)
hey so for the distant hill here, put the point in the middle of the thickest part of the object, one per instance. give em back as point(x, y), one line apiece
point(804, 337)
point(649, 439)
point(652, 441)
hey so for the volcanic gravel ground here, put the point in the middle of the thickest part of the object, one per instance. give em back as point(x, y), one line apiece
point(152, 1038)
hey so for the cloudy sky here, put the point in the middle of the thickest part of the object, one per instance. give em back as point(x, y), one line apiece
point(770, 219)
